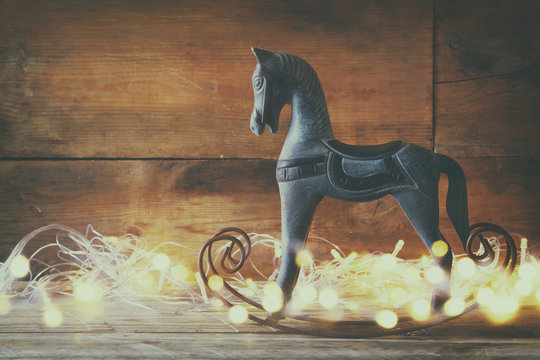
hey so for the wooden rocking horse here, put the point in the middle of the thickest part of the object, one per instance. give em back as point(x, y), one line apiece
point(313, 164)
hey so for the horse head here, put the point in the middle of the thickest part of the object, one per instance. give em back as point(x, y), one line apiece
point(270, 96)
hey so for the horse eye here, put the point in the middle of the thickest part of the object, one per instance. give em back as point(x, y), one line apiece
point(258, 83)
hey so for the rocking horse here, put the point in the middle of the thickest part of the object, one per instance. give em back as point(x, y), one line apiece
point(313, 164)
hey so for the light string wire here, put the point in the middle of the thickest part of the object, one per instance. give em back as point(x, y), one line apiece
point(356, 284)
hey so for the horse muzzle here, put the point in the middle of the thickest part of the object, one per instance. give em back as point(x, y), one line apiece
point(256, 124)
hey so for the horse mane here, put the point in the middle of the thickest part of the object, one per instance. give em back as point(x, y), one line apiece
point(308, 82)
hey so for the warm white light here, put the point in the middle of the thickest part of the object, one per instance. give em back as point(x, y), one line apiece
point(398, 295)
point(336, 254)
point(398, 247)
point(145, 280)
point(465, 267)
point(439, 248)
point(524, 287)
point(272, 297)
point(387, 262)
point(87, 291)
point(434, 275)
point(180, 272)
point(527, 271)
point(238, 314)
point(19, 266)
point(502, 309)
point(303, 258)
point(307, 293)
point(277, 251)
point(537, 295)
point(215, 282)
point(386, 319)
point(454, 306)
point(485, 296)
point(328, 298)
point(161, 262)
point(420, 310)
point(5, 304)
point(411, 274)
point(52, 317)
point(523, 256)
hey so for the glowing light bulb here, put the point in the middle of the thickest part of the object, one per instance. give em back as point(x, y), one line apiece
point(465, 267)
point(485, 296)
point(5, 304)
point(238, 314)
point(180, 272)
point(277, 251)
point(454, 306)
point(439, 248)
point(303, 258)
point(336, 254)
point(161, 262)
point(420, 310)
point(19, 266)
point(87, 292)
point(52, 317)
point(398, 295)
point(523, 256)
point(215, 282)
point(434, 275)
point(307, 294)
point(386, 319)
point(527, 271)
point(251, 284)
point(387, 262)
point(398, 247)
point(328, 298)
point(502, 309)
point(272, 297)
point(524, 287)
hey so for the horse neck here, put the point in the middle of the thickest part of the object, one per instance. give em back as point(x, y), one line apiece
point(310, 123)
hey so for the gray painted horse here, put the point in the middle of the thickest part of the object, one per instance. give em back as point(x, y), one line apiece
point(313, 164)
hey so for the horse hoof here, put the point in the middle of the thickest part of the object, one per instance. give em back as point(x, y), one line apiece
point(275, 317)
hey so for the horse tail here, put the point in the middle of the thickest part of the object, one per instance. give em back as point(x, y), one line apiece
point(456, 198)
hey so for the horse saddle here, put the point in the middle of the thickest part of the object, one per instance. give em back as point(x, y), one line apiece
point(362, 152)
point(364, 169)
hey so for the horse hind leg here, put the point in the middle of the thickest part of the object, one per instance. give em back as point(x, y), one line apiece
point(423, 213)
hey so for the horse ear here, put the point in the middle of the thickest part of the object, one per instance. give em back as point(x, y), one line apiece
point(262, 54)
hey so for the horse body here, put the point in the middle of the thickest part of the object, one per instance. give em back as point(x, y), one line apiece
point(313, 164)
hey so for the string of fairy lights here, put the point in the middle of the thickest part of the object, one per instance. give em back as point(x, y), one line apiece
point(92, 268)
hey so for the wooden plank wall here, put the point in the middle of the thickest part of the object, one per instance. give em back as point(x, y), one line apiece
point(133, 115)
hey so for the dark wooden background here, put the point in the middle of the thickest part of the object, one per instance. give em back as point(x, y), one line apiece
point(133, 115)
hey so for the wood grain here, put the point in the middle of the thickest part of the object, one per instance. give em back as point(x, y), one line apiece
point(487, 57)
point(117, 79)
point(187, 201)
point(195, 331)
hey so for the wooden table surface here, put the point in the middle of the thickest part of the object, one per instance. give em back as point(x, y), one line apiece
point(192, 331)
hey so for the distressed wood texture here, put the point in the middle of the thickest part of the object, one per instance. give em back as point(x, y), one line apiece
point(164, 79)
point(197, 332)
point(187, 201)
point(487, 78)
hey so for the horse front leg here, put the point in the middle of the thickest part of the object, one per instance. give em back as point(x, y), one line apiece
point(297, 209)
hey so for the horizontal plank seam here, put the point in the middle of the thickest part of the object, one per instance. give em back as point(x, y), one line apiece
point(5, 159)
